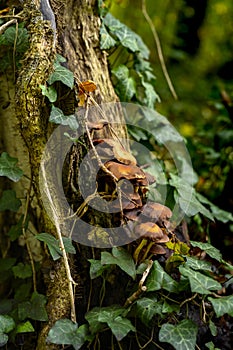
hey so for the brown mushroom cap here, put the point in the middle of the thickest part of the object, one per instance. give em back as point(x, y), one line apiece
point(156, 211)
point(117, 150)
point(122, 171)
point(157, 249)
point(149, 230)
point(97, 126)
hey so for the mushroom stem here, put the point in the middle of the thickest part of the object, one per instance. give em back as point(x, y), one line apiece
point(138, 249)
point(147, 250)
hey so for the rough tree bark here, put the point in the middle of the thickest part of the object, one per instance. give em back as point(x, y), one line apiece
point(77, 39)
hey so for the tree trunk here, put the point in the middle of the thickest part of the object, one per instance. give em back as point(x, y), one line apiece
point(77, 39)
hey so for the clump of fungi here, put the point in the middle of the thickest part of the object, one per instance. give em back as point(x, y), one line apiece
point(149, 221)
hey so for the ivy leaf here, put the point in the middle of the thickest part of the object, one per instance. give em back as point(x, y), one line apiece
point(146, 308)
point(53, 245)
point(121, 258)
point(8, 167)
point(59, 59)
point(22, 271)
point(16, 230)
point(197, 264)
point(9, 201)
point(126, 36)
point(22, 38)
point(170, 307)
point(210, 346)
point(6, 264)
point(223, 305)
point(6, 325)
point(213, 328)
point(219, 214)
point(62, 74)
point(187, 198)
point(159, 279)
point(126, 86)
point(66, 332)
point(199, 283)
point(181, 337)
point(58, 117)
point(208, 249)
point(120, 327)
point(49, 92)
point(106, 41)
point(96, 268)
point(24, 327)
point(150, 95)
point(92, 318)
point(34, 309)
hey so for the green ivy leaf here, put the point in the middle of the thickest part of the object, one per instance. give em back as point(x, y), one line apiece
point(6, 264)
point(147, 308)
point(106, 41)
point(187, 198)
point(61, 74)
point(126, 86)
point(126, 36)
point(223, 305)
point(53, 245)
point(6, 325)
point(49, 92)
point(22, 38)
point(121, 258)
point(150, 95)
point(181, 336)
point(170, 307)
point(120, 327)
point(219, 214)
point(24, 327)
point(159, 279)
point(199, 283)
point(208, 249)
point(22, 271)
point(98, 316)
point(213, 328)
point(66, 332)
point(9, 201)
point(16, 230)
point(59, 59)
point(210, 346)
point(3, 339)
point(92, 318)
point(8, 167)
point(96, 268)
point(197, 264)
point(34, 309)
point(58, 117)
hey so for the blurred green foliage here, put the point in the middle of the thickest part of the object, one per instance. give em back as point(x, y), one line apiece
point(197, 46)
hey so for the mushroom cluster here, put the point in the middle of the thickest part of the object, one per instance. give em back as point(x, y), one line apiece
point(149, 220)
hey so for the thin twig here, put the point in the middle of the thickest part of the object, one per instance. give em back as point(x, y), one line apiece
point(159, 50)
point(187, 300)
point(149, 341)
point(14, 48)
point(26, 239)
point(71, 282)
point(141, 287)
point(7, 24)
